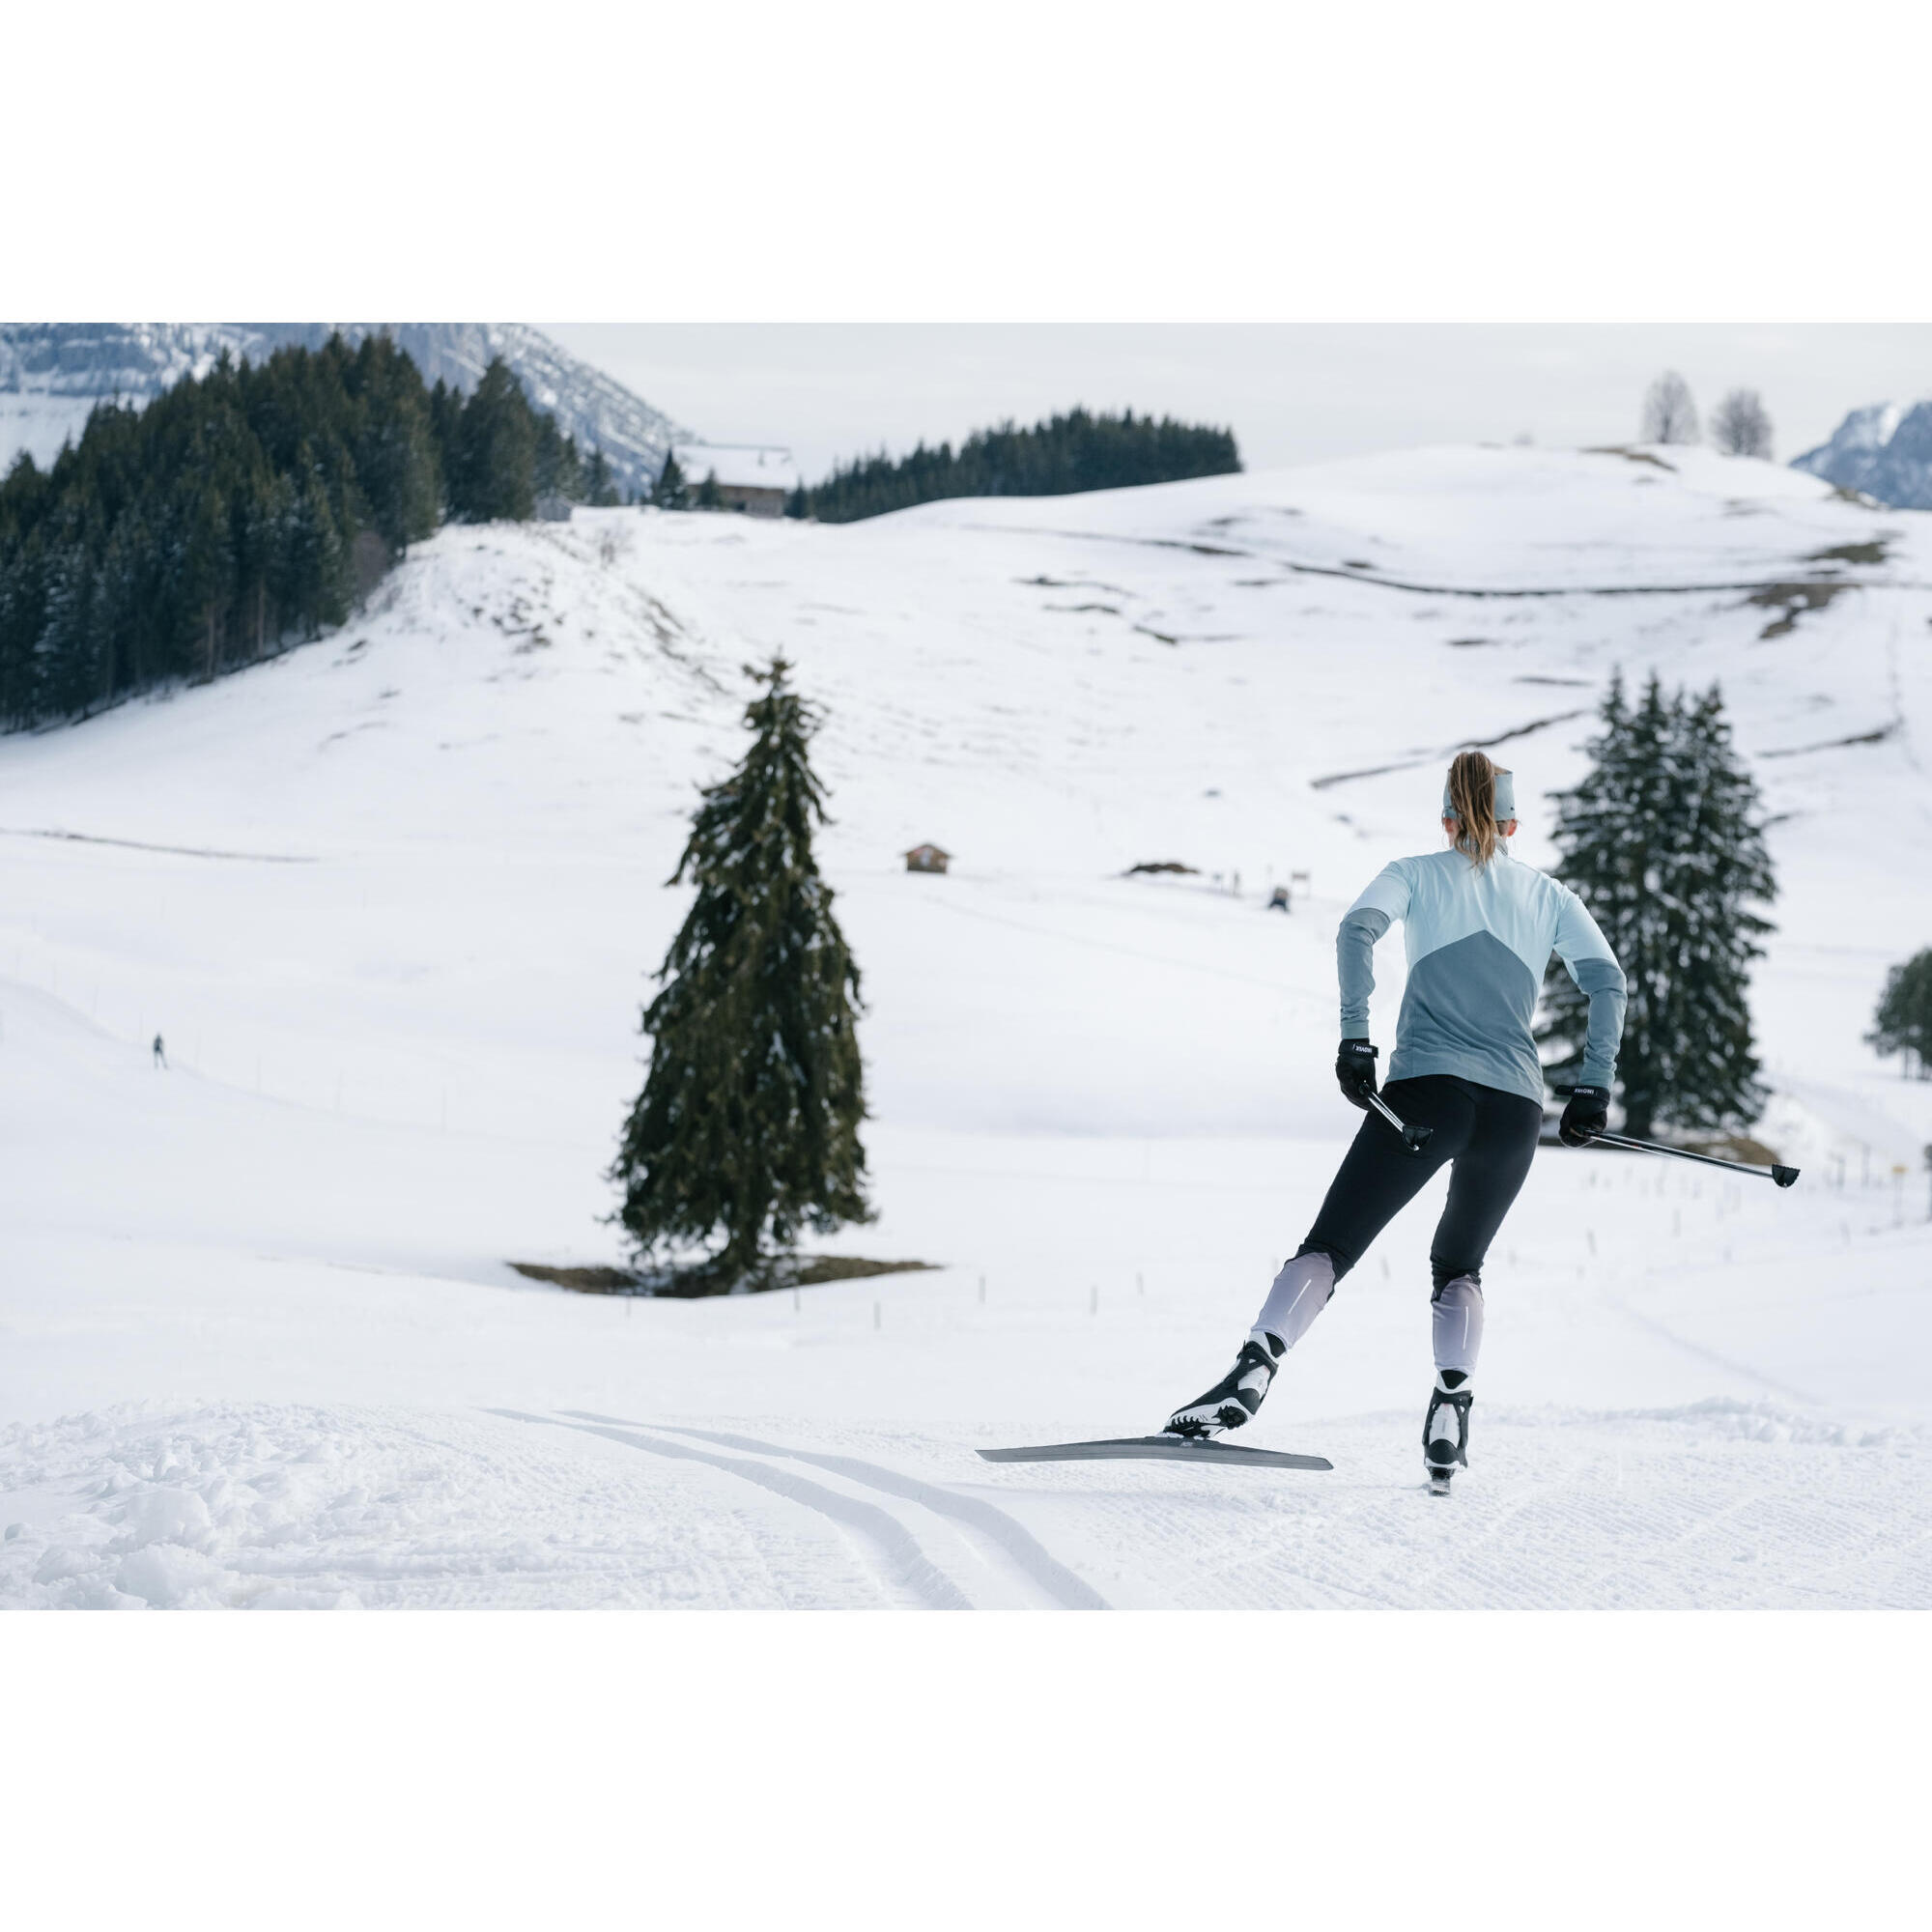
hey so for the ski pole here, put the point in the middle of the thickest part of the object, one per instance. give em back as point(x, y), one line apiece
point(1414, 1139)
point(1782, 1176)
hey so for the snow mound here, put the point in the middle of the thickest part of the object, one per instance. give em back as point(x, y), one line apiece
point(267, 1506)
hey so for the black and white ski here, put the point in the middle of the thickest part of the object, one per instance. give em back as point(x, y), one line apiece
point(1158, 1449)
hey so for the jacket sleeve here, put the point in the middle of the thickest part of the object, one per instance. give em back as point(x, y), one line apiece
point(1364, 923)
point(1584, 951)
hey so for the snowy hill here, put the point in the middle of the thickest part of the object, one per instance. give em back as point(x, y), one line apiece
point(52, 374)
point(1883, 451)
point(393, 900)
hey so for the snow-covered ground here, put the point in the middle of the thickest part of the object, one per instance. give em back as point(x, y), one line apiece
point(393, 901)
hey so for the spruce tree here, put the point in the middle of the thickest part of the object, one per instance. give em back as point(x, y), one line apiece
point(600, 483)
point(1903, 1021)
point(394, 443)
point(494, 474)
point(1662, 840)
point(558, 469)
point(670, 491)
point(749, 1118)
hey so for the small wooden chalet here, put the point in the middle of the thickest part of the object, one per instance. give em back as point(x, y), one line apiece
point(928, 859)
point(752, 478)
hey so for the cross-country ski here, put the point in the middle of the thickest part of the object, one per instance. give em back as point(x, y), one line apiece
point(1163, 1448)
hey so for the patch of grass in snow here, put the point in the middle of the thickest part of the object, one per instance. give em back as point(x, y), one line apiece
point(1794, 600)
point(1631, 455)
point(1878, 737)
point(1732, 1147)
point(1872, 552)
point(691, 1283)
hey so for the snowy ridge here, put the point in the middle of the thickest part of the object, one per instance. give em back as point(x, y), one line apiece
point(262, 1342)
point(1883, 451)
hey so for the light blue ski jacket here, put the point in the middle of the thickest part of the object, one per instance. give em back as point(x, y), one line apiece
point(1479, 940)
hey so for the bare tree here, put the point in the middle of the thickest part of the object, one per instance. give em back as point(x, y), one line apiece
point(1669, 416)
point(1742, 425)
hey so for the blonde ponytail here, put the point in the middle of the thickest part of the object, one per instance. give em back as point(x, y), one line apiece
point(1472, 804)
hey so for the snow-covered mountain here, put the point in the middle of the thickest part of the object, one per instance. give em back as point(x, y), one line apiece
point(1883, 451)
point(51, 374)
point(394, 900)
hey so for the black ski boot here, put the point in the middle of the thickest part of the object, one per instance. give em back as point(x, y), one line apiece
point(1237, 1395)
point(1445, 1429)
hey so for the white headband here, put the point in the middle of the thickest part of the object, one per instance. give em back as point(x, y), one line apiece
point(1505, 799)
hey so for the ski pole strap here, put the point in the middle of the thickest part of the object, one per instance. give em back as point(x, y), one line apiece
point(1415, 1138)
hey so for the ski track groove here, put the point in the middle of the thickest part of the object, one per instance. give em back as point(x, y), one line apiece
point(1043, 1572)
point(1703, 1353)
point(1699, 1527)
point(906, 1562)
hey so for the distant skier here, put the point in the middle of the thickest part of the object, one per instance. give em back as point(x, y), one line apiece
point(160, 1054)
point(1480, 929)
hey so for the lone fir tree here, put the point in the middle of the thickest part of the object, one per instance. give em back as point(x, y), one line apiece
point(1662, 840)
point(1902, 1023)
point(749, 1118)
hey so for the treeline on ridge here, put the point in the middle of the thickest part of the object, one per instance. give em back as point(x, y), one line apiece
point(248, 505)
point(1056, 458)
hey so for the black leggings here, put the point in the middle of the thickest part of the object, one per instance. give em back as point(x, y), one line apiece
point(1490, 1135)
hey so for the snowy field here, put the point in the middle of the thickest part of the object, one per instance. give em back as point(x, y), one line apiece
point(393, 901)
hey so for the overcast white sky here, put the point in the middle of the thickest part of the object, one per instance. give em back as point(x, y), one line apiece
point(1292, 393)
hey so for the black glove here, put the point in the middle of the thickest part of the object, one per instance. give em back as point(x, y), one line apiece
point(1355, 1070)
point(1587, 1115)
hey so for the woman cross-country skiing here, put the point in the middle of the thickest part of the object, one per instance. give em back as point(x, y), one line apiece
point(1480, 929)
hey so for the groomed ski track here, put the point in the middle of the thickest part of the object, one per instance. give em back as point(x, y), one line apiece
point(1721, 1504)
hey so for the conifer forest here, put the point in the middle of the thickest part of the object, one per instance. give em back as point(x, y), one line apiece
point(248, 507)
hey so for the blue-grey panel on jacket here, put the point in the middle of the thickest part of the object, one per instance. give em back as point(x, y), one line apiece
point(1467, 1011)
